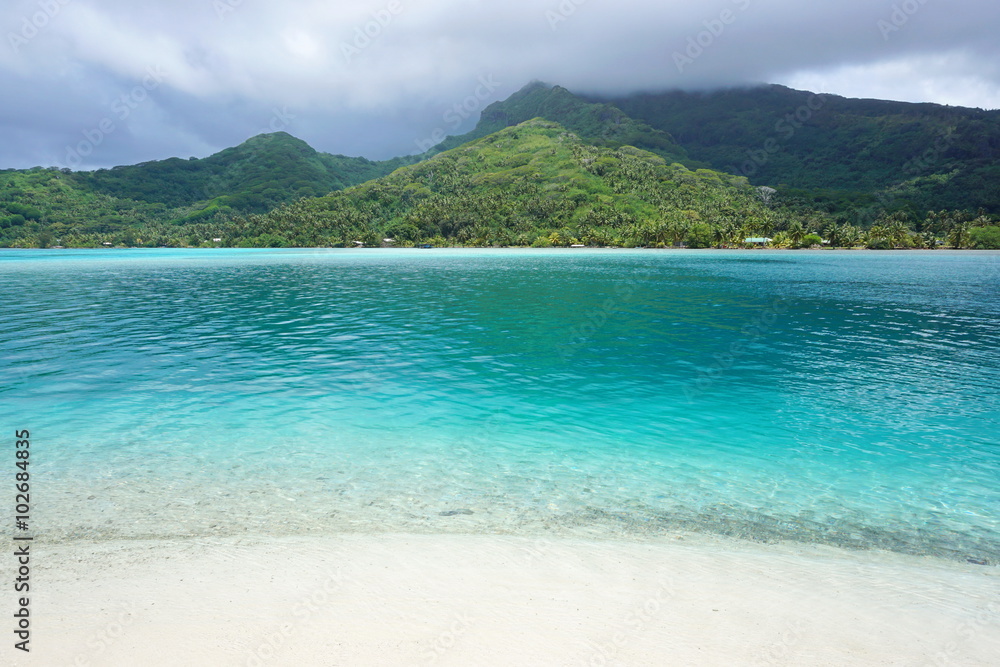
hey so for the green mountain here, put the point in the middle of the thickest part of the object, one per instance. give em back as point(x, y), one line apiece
point(535, 183)
point(257, 175)
point(539, 184)
point(596, 123)
point(833, 151)
point(42, 207)
point(546, 166)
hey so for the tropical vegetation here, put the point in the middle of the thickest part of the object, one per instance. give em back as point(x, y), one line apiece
point(548, 168)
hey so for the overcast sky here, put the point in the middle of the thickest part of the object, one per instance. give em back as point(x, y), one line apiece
point(91, 83)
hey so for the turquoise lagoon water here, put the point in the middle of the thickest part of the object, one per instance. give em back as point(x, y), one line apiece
point(834, 397)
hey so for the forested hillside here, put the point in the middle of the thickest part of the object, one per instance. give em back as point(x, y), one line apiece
point(56, 206)
point(532, 184)
point(43, 207)
point(836, 152)
point(259, 174)
point(596, 123)
point(804, 170)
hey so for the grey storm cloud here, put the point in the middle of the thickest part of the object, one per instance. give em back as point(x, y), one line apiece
point(126, 82)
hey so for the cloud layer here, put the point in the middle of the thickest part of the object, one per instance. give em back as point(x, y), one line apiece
point(125, 82)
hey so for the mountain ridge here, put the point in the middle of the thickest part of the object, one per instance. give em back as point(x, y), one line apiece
point(599, 123)
point(917, 155)
point(260, 173)
point(534, 183)
point(785, 137)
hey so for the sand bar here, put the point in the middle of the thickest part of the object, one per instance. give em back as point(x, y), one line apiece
point(495, 600)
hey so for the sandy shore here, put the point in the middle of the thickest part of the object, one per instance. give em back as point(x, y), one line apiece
point(485, 600)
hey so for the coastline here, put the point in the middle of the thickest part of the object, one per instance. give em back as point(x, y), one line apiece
point(499, 600)
point(855, 249)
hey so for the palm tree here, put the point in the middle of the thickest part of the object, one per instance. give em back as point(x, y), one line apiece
point(721, 233)
point(831, 232)
point(896, 232)
point(876, 236)
point(958, 237)
point(795, 232)
point(849, 235)
point(677, 229)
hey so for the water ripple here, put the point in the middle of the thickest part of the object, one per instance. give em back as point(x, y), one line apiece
point(843, 398)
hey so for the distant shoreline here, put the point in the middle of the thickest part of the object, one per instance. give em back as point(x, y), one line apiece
point(529, 248)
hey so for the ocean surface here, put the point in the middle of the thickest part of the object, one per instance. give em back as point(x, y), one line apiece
point(843, 398)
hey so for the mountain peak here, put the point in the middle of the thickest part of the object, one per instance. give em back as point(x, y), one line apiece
point(599, 123)
point(273, 140)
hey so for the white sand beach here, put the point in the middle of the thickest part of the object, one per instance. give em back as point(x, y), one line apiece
point(359, 600)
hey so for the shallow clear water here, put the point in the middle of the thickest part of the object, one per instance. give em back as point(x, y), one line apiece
point(847, 398)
